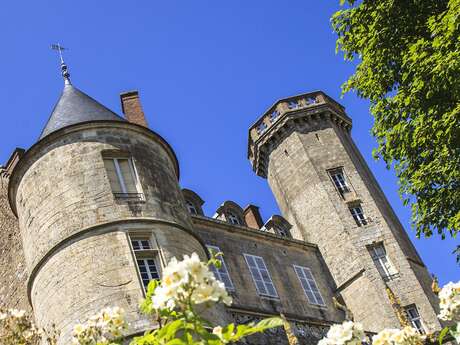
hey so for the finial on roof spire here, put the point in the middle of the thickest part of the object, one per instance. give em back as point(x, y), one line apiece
point(64, 69)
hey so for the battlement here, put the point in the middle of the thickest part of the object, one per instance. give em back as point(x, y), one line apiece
point(306, 107)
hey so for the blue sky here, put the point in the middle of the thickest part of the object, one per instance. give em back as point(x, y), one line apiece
point(206, 70)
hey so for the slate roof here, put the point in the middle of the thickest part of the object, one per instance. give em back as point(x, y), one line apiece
point(74, 106)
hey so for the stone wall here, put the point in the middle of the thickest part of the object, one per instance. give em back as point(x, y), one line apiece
point(298, 175)
point(280, 255)
point(13, 273)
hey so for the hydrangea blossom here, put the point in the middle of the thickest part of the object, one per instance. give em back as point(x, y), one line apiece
point(405, 336)
point(107, 325)
point(450, 302)
point(347, 333)
point(188, 281)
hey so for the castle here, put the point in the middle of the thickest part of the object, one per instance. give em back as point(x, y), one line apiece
point(94, 210)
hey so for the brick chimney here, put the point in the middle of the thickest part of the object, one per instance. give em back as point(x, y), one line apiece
point(132, 108)
point(252, 217)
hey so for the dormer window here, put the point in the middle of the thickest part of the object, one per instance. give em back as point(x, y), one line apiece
point(281, 232)
point(123, 177)
point(191, 207)
point(233, 219)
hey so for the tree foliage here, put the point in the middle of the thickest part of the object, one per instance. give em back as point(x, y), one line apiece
point(408, 55)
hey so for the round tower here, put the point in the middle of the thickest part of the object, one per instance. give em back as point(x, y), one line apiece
point(324, 188)
point(100, 213)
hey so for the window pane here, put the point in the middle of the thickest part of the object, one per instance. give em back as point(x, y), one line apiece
point(261, 276)
point(136, 245)
point(128, 176)
point(221, 273)
point(112, 175)
point(309, 285)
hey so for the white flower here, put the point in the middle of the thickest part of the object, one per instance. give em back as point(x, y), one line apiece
point(347, 333)
point(17, 313)
point(107, 325)
point(189, 279)
point(405, 336)
point(449, 303)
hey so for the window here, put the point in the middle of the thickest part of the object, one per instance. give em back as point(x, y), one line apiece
point(222, 272)
point(191, 207)
point(261, 127)
point(414, 318)
point(309, 285)
point(273, 115)
point(339, 180)
point(310, 100)
point(281, 232)
point(382, 262)
point(122, 176)
point(145, 259)
point(261, 276)
point(358, 215)
point(233, 219)
point(293, 105)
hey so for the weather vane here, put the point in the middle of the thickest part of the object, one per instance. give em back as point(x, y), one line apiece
point(64, 70)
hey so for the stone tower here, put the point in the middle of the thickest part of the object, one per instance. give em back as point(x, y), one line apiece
point(324, 188)
point(100, 211)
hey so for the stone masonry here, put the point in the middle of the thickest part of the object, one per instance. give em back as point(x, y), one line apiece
point(67, 233)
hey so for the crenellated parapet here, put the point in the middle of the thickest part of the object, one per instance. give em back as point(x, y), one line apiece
point(286, 114)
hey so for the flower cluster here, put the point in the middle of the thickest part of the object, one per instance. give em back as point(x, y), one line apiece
point(450, 302)
point(102, 328)
point(405, 336)
point(188, 282)
point(17, 328)
point(347, 333)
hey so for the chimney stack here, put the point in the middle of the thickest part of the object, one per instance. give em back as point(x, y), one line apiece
point(252, 217)
point(132, 108)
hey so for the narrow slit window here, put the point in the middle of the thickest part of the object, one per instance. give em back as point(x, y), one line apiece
point(146, 259)
point(260, 276)
point(122, 176)
point(382, 262)
point(309, 285)
point(222, 272)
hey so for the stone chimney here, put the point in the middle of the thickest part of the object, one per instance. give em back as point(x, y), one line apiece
point(252, 217)
point(132, 108)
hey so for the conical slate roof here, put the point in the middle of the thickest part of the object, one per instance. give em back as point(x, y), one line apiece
point(75, 107)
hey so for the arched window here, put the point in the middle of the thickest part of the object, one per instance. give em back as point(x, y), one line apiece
point(191, 207)
point(233, 219)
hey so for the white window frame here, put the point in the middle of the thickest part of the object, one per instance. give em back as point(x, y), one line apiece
point(309, 285)
point(233, 218)
point(265, 283)
point(121, 178)
point(382, 262)
point(358, 215)
point(144, 254)
point(339, 180)
point(218, 272)
point(414, 319)
point(191, 207)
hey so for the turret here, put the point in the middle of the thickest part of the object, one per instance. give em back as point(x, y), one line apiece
point(324, 188)
point(100, 213)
